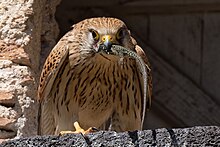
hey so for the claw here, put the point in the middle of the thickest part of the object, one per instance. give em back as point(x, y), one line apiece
point(79, 130)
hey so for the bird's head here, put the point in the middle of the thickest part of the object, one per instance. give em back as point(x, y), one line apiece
point(104, 38)
point(101, 33)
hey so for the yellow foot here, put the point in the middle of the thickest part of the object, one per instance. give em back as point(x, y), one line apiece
point(79, 130)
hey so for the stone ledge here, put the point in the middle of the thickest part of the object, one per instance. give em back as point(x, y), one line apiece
point(195, 136)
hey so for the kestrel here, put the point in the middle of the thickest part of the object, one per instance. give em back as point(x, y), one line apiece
point(85, 82)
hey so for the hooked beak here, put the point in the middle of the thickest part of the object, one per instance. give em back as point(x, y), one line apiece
point(106, 43)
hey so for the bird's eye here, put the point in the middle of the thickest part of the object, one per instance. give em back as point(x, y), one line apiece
point(95, 35)
point(119, 34)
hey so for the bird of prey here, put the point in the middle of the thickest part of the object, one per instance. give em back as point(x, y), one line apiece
point(83, 82)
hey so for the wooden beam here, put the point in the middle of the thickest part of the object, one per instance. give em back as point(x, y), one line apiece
point(170, 2)
point(183, 102)
point(150, 6)
point(86, 3)
point(162, 9)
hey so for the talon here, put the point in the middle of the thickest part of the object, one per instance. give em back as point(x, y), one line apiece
point(95, 129)
point(90, 130)
point(66, 132)
point(79, 130)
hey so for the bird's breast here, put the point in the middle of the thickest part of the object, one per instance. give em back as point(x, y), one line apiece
point(97, 86)
point(104, 79)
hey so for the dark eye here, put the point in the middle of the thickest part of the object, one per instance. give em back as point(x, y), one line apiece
point(95, 35)
point(120, 34)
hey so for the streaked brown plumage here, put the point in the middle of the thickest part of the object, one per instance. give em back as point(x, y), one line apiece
point(81, 83)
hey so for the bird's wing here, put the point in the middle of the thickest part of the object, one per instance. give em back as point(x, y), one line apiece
point(141, 53)
point(46, 121)
point(50, 70)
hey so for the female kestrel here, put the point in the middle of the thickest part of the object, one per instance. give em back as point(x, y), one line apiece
point(83, 81)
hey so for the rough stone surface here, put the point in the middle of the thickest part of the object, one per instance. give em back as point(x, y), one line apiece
point(14, 53)
point(17, 101)
point(7, 99)
point(7, 126)
point(28, 32)
point(16, 77)
point(195, 136)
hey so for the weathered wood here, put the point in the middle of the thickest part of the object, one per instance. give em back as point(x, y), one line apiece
point(173, 2)
point(177, 39)
point(143, 7)
point(179, 98)
point(196, 136)
point(158, 9)
point(137, 24)
point(98, 3)
point(211, 56)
